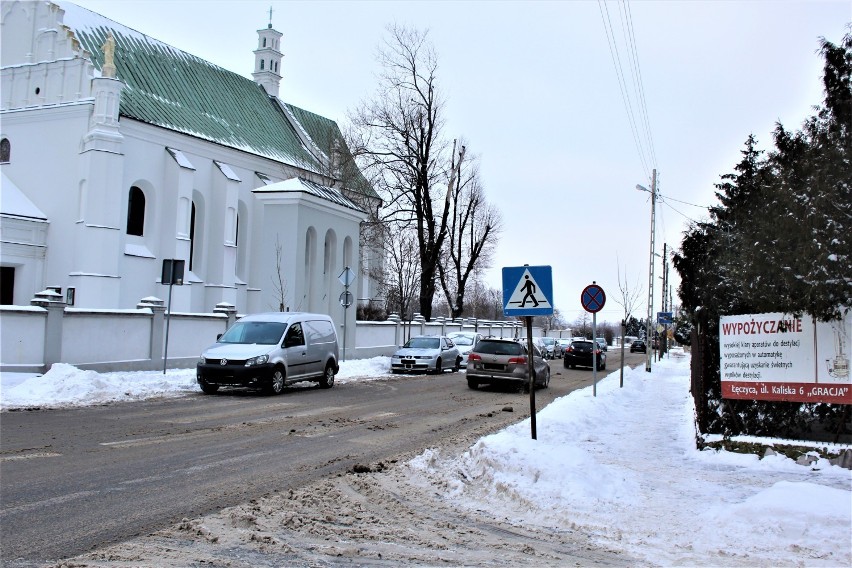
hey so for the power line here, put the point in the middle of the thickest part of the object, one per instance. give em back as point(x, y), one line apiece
point(622, 83)
point(685, 202)
point(638, 79)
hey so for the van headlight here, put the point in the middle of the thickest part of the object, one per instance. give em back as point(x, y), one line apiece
point(259, 360)
point(202, 360)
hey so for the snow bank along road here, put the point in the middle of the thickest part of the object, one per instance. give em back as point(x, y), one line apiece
point(79, 479)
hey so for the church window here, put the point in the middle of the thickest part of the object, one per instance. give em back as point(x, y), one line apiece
point(191, 236)
point(276, 67)
point(5, 150)
point(264, 42)
point(136, 212)
point(7, 285)
point(261, 64)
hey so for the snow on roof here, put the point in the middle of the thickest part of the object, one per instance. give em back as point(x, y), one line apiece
point(306, 186)
point(13, 202)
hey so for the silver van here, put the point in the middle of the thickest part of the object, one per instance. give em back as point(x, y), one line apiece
point(269, 351)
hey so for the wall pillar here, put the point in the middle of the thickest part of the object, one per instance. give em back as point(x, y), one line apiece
point(397, 329)
point(158, 311)
point(230, 312)
point(54, 303)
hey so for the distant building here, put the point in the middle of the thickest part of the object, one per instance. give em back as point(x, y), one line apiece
point(118, 151)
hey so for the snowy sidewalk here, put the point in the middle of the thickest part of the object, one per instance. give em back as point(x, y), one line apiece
point(623, 468)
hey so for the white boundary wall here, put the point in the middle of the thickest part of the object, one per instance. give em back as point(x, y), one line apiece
point(33, 338)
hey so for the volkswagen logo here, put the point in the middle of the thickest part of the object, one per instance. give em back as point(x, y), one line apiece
point(223, 362)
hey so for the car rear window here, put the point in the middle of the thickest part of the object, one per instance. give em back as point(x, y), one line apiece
point(582, 346)
point(462, 339)
point(499, 347)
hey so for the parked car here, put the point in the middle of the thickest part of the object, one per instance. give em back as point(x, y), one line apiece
point(602, 343)
point(465, 340)
point(583, 353)
point(554, 349)
point(538, 343)
point(270, 351)
point(638, 346)
point(504, 362)
point(564, 342)
point(427, 353)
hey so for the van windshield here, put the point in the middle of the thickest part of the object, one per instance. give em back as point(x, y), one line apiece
point(254, 332)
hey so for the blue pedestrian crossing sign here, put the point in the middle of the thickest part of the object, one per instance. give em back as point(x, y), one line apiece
point(527, 291)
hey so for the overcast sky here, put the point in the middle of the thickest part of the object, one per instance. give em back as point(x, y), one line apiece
point(533, 89)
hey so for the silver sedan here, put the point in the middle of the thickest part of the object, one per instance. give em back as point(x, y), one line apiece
point(426, 353)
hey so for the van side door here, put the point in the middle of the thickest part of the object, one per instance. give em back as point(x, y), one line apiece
point(322, 344)
point(295, 352)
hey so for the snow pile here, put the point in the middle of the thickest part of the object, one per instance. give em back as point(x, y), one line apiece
point(623, 468)
point(65, 385)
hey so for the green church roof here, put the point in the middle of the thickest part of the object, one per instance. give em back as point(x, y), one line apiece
point(178, 91)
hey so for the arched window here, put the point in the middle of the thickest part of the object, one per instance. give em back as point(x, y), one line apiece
point(276, 67)
point(264, 42)
point(136, 212)
point(191, 235)
point(5, 150)
point(261, 64)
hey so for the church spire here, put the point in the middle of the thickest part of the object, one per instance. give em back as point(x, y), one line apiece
point(267, 59)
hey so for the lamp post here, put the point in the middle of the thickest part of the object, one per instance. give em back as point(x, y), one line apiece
point(653, 192)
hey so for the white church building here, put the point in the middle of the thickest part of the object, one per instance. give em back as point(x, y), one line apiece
point(118, 152)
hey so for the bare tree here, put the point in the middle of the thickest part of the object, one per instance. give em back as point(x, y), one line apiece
point(630, 295)
point(397, 141)
point(472, 232)
point(582, 326)
point(403, 272)
point(279, 282)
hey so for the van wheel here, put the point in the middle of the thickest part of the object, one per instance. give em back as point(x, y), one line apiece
point(439, 369)
point(207, 388)
point(276, 384)
point(457, 366)
point(327, 380)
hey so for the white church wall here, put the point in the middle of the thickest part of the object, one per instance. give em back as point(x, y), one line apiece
point(45, 162)
point(190, 334)
point(22, 335)
point(86, 335)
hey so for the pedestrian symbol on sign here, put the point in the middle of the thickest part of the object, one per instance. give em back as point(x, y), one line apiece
point(527, 291)
point(529, 286)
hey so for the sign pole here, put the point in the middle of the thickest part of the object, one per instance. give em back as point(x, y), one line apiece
point(171, 274)
point(346, 278)
point(345, 313)
point(528, 292)
point(623, 332)
point(531, 371)
point(168, 321)
point(594, 353)
point(593, 299)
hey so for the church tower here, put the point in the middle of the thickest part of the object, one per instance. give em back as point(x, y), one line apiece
point(267, 59)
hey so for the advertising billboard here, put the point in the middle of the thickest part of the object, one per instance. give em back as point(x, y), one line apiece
point(777, 356)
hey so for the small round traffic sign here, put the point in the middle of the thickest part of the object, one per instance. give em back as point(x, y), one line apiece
point(593, 298)
point(346, 299)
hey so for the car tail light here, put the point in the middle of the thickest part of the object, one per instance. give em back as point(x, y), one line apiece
point(570, 348)
point(518, 360)
point(474, 357)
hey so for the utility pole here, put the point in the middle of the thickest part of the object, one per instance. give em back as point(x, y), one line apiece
point(662, 343)
point(648, 336)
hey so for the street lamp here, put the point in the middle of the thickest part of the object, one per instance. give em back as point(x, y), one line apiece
point(653, 192)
